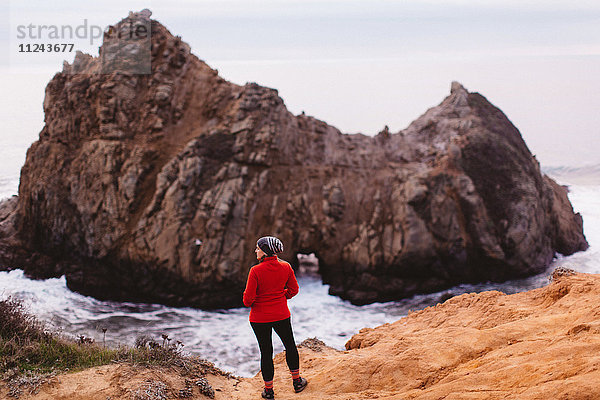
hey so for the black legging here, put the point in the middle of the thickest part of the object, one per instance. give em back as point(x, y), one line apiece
point(283, 329)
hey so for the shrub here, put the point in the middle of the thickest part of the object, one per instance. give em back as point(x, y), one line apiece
point(26, 345)
point(30, 354)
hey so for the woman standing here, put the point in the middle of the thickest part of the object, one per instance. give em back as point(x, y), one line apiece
point(270, 283)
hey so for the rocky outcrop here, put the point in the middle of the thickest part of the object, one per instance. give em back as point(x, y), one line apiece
point(155, 187)
point(541, 344)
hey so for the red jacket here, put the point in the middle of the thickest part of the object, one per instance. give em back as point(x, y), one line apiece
point(270, 284)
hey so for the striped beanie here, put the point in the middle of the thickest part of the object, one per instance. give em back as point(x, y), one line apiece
point(270, 245)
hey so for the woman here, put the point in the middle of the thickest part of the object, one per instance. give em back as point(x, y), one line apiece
point(270, 283)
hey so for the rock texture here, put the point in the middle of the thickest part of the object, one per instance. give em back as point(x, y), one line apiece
point(537, 345)
point(155, 188)
point(542, 344)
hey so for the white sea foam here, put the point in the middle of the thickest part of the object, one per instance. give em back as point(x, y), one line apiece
point(223, 336)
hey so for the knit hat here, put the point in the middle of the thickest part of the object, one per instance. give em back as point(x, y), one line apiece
point(270, 245)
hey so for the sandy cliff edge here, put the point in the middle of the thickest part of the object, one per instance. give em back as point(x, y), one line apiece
point(540, 344)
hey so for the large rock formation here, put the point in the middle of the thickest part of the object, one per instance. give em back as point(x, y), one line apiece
point(155, 188)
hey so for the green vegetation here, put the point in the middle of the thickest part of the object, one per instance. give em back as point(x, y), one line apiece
point(26, 345)
point(31, 355)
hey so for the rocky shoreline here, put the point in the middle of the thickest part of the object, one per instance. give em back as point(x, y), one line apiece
point(540, 344)
point(154, 188)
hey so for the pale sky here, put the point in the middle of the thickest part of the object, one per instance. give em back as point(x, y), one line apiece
point(358, 65)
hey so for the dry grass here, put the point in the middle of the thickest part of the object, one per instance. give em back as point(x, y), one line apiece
point(30, 354)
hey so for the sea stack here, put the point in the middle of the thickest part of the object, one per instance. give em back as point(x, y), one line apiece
point(155, 186)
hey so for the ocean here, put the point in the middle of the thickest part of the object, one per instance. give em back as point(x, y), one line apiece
point(225, 336)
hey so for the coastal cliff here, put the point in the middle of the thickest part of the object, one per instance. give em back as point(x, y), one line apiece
point(541, 344)
point(154, 187)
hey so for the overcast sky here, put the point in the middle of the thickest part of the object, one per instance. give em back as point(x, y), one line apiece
point(358, 65)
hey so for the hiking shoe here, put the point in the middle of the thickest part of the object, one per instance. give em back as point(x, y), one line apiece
point(300, 384)
point(268, 394)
